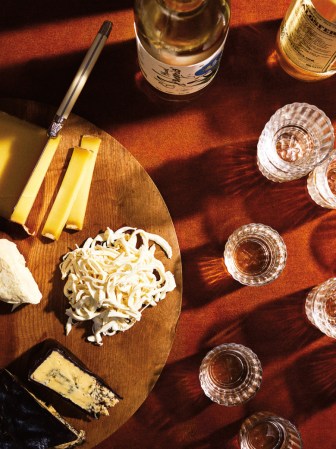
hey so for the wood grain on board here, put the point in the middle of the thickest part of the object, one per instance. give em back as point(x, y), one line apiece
point(121, 194)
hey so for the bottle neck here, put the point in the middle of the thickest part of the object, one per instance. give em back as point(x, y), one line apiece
point(183, 6)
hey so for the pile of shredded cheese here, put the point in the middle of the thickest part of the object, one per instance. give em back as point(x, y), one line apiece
point(112, 278)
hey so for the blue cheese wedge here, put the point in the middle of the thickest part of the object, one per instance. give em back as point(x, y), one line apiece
point(59, 371)
point(17, 285)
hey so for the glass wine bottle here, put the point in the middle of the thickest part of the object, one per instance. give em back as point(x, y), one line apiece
point(180, 43)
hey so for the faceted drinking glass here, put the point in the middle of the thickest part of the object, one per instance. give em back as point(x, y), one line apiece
point(321, 307)
point(295, 139)
point(255, 254)
point(321, 182)
point(230, 374)
point(265, 430)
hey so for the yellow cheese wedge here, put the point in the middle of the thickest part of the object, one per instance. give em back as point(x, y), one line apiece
point(21, 144)
point(66, 196)
point(77, 214)
point(29, 194)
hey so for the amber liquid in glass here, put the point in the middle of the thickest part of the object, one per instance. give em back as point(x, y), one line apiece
point(265, 435)
point(252, 256)
point(228, 369)
point(331, 177)
point(293, 143)
point(330, 308)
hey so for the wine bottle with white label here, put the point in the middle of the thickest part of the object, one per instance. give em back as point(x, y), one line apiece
point(180, 43)
point(306, 41)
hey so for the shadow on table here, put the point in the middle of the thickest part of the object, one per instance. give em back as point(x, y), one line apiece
point(227, 184)
point(312, 381)
point(205, 276)
point(178, 396)
point(271, 339)
point(227, 434)
point(323, 242)
point(13, 17)
point(247, 90)
point(280, 328)
point(275, 329)
point(177, 399)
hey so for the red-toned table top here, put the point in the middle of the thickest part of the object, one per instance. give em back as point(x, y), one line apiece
point(202, 158)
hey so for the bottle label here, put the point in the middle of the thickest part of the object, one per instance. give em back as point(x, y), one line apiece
point(178, 80)
point(308, 39)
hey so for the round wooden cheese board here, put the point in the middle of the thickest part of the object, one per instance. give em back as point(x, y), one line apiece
point(122, 193)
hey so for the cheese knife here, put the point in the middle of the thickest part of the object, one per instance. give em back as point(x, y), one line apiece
point(80, 79)
point(24, 204)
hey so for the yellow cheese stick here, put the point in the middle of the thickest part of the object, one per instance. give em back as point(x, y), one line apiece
point(71, 183)
point(77, 214)
point(29, 194)
point(21, 144)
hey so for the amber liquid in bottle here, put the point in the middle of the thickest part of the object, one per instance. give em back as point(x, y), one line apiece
point(300, 43)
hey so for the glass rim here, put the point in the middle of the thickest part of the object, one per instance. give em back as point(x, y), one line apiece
point(292, 437)
point(326, 163)
point(319, 175)
point(273, 271)
point(319, 153)
point(232, 396)
point(317, 296)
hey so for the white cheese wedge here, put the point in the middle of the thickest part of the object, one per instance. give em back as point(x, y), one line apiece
point(17, 285)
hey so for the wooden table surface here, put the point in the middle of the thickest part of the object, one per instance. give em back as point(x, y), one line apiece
point(202, 159)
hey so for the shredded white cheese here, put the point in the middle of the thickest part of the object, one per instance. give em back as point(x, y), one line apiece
point(112, 278)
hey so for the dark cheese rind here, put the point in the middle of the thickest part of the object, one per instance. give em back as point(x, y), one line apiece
point(7, 442)
point(55, 365)
point(28, 423)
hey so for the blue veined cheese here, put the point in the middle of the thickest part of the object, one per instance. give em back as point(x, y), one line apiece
point(58, 370)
